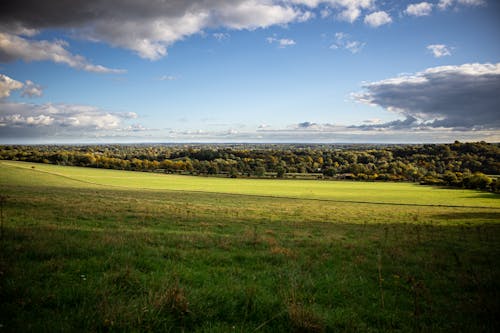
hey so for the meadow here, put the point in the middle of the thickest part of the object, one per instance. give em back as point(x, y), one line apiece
point(111, 251)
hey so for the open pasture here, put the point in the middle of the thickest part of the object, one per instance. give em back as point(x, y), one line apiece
point(102, 250)
point(345, 191)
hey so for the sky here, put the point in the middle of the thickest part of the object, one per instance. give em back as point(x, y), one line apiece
point(302, 71)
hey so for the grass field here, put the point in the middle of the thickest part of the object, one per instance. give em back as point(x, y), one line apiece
point(389, 192)
point(101, 250)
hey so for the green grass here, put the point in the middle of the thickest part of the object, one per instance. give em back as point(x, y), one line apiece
point(100, 250)
point(375, 192)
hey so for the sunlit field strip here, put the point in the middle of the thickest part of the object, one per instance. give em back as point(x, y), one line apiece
point(350, 191)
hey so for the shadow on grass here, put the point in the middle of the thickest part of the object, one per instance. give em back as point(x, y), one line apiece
point(490, 216)
point(348, 277)
point(485, 195)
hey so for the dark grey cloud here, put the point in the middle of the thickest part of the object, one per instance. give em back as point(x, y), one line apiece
point(306, 124)
point(395, 124)
point(460, 97)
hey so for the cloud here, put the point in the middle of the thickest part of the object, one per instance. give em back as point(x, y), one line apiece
point(7, 85)
point(343, 41)
point(419, 9)
point(286, 42)
point(346, 10)
point(282, 42)
point(325, 12)
point(472, 2)
point(352, 9)
point(63, 115)
point(136, 128)
point(398, 131)
point(14, 47)
point(32, 89)
point(439, 50)
point(306, 125)
point(377, 19)
point(27, 120)
point(150, 28)
point(310, 127)
point(373, 121)
point(168, 78)
point(400, 124)
point(444, 4)
point(459, 97)
point(221, 36)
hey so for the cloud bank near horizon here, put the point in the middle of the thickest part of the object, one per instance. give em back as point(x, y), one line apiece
point(436, 104)
point(31, 120)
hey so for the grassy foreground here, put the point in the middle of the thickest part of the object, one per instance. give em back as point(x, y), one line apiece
point(101, 250)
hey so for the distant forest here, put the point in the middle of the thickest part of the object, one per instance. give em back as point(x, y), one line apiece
point(465, 165)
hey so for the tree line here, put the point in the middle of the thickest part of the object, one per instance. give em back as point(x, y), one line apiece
point(467, 165)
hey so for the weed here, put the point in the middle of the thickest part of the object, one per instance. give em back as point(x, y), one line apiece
point(303, 319)
point(171, 300)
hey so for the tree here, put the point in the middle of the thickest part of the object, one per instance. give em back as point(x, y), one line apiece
point(280, 172)
point(477, 181)
point(260, 171)
point(233, 173)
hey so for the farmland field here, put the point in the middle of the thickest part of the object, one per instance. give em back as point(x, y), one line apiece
point(104, 250)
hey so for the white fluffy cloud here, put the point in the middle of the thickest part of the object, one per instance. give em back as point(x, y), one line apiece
point(459, 97)
point(7, 85)
point(67, 116)
point(377, 19)
point(14, 47)
point(30, 89)
point(439, 50)
point(346, 10)
point(419, 9)
point(23, 121)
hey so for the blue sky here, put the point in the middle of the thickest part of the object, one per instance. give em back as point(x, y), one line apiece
point(250, 71)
